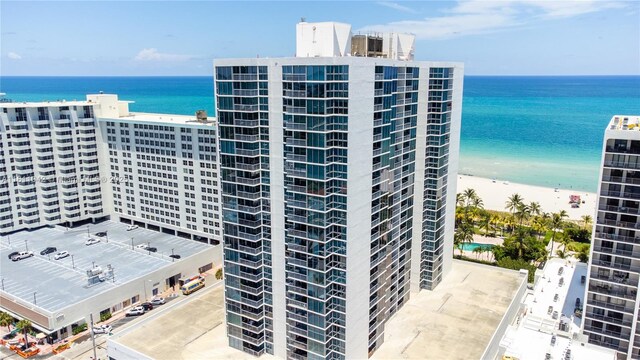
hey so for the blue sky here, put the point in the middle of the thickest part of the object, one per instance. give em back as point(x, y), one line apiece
point(508, 37)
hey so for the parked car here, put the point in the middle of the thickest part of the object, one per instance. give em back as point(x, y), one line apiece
point(13, 254)
point(147, 306)
point(175, 256)
point(102, 329)
point(157, 301)
point(48, 250)
point(91, 241)
point(135, 311)
point(152, 249)
point(61, 255)
point(101, 234)
point(22, 255)
point(142, 246)
point(132, 227)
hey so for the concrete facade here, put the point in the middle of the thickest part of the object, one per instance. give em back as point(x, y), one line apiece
point(612, 296)
point(320, 162)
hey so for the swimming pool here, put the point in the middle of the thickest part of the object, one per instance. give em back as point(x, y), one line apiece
point(473, 246)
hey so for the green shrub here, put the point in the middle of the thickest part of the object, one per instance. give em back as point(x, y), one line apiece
point(509, 263)
point(219, 274)
point(105, 316)
point(78, 329)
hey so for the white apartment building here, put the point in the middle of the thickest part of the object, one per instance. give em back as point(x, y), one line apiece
point(49, 170)
point(82, 161)
point(338, 171)
point(165, 171)
point(612, 299)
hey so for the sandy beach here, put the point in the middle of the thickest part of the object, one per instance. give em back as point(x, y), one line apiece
point(495, 194)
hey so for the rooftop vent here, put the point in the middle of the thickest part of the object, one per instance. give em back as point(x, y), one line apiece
point(201, 115)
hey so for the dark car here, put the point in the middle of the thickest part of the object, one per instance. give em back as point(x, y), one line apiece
point(13, 254)
point(48, 250)
point(152, 249)
point(147, 306)
point(101, 234)
point(175, 256)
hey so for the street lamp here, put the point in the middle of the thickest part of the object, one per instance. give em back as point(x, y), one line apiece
point(26, 245)
point(72, 262)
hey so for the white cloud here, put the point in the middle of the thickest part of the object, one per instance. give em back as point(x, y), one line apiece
point(396, 6)
point(14, 56)
point(471, 17)
point(152, 54)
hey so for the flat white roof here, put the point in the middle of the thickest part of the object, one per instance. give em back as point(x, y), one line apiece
point(165, 118)
point(23, 104)
point(530, 337)
point(625, 122)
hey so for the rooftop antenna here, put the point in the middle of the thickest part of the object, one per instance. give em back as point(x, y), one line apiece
point(303, 19)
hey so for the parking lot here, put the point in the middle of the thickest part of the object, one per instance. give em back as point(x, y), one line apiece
point(53, 284)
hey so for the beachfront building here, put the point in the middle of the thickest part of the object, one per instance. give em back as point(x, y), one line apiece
point(338, 182)
point(75, 162)
point(163, 170)
point(49, 171)
point(612, 304)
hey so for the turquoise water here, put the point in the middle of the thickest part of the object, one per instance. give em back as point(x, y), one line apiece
point(473, 246)
point(544, 131)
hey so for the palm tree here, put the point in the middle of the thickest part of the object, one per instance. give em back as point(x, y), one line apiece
point(459, 199)
point(535, 208)
point(556, 224)
point(6, 320)
point(586, 219)
point(539, 225)
point(478, 251)
point(469, 195)
point(24, 326)
point(485, 223)
point(513, 202)
point(463, 233)
point(561, 254)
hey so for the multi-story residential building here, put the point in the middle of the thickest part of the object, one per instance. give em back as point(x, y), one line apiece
point(164, 171)
point(335, 172)
point(48, 165)
point(79, 161)
point(611, 302)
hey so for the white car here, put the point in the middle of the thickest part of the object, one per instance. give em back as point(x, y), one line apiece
point(157, 301)
point(91, 241)
point(22, 255)
point(142, 246)
point(102, 329)
point(61, 255)
point(135, 311)
point(132, 227)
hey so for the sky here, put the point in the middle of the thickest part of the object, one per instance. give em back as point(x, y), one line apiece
point(140, 38)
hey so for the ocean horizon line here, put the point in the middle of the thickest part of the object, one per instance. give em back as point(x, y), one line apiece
point(210, 75)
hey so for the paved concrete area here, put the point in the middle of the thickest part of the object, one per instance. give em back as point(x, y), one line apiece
point(193, 330)
point(465, 309)
point(457, 320)
point(54, 284)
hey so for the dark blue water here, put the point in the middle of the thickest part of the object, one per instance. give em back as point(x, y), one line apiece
point(543, 131)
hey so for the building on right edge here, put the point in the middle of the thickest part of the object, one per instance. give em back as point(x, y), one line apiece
point(611, 301)
point(338, 172)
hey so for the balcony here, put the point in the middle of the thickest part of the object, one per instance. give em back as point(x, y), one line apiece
point(609, 250)
point(623, 224)
point(620, 209)
point(624, 335)
point(622, 238)
point(610, 319)
point(626, 180)
point(622, 164)
point(608, 290)
point(611, 306)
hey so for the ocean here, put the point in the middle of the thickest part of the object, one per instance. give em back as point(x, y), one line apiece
point(544, 131)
